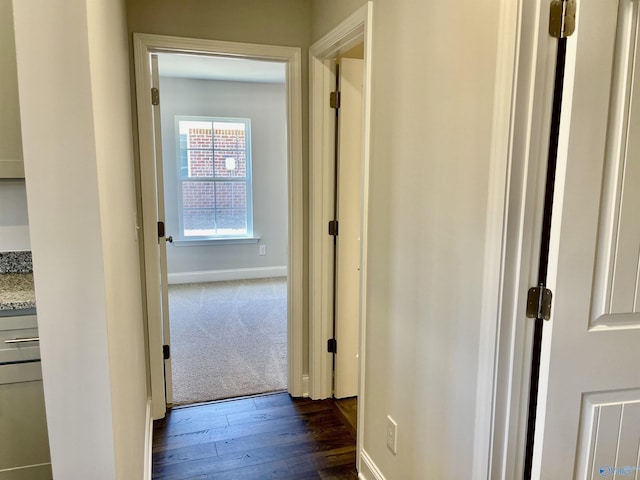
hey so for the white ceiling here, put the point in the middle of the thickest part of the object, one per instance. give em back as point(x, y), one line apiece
point(220, 68)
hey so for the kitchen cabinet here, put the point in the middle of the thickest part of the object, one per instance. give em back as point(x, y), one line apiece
point(11, 165)
point(24, 443)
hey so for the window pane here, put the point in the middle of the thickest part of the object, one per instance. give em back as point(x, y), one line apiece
point(198, 208)
point(187, 126)
point(229, 139)
point(200, 138)
point(231, 212)
point(230, 163)
point(198, 195)
point(234, 128)
point(230, 149)
point(199, 222)
point(224, 194)
point(212, 151)
point(231, 221)
point(231, 194)
point(200, 163)
point(184, 156)
point(239, 194)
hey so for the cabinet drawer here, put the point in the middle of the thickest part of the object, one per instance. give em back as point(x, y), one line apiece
point(20, 372)
point(16, 334)
point(24, 444)
point(23, 329)
point(14, 322)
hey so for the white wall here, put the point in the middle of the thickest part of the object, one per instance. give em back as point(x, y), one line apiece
point(75, 108)
point(10, 144)
point(14, 223)
point(14, 219)
point(326, 14)
point(109, 62)
point(265, 104)
point(432, 104)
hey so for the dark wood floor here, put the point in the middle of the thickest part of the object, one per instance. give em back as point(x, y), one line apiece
point(262, 437)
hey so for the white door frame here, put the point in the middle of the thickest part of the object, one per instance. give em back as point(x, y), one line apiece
point(144, 45)
point(352, 31)
point(522, 112)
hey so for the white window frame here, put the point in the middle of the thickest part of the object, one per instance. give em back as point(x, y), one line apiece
point(248, 180)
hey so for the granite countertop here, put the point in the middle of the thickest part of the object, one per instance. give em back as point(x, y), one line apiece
point(16, 281)
point(16, 291)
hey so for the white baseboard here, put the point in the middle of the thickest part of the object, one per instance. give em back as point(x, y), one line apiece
point(305, 386)
point(224, 275)
point(368, 468)
point(148, 443)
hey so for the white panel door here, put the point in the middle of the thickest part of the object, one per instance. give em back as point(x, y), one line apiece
point(589, 421)
point(161, 323)
point(349, 200)
point(157, 291)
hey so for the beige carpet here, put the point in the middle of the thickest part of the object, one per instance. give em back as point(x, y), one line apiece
point(228, 339)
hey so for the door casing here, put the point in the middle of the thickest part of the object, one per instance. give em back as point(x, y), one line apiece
point(355, 29)
point(144, 45)
point(522, 113)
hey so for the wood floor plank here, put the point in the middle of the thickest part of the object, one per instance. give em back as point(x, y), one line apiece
point(277, 400)
point(264, 454)
point(183, 456)
point(207, 410)
point(264, 437)
point(192, 424)
point(273, 413)
point(339, 473)
point(328, 458)
point(349, 408)
point(271, 470)
point(198, 436)
point(234, 445)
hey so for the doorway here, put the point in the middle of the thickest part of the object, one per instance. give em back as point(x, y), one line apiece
point(352, 35)
point(237, 216)
point(223, 123)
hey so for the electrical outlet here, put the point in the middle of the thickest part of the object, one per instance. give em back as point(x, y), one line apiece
point(263, 249)
point(392, 435)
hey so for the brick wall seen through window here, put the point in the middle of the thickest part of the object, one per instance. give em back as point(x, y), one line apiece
point(214, 177)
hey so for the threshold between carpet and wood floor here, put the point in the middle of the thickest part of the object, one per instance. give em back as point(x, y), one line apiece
point(263, 437)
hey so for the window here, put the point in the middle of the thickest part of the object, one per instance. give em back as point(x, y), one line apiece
point(214, 178)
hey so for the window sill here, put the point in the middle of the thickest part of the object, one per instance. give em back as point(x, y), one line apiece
point(215, 241)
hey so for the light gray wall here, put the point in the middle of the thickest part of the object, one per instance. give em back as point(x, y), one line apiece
point(265, 105)
point(326, 14)
point(126, 340)
point(14, 220)
point(78, 153)
point(432, 109)
point(10, 140)
point(14, 223)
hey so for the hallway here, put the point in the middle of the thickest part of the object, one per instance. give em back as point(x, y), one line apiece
point(268, 436)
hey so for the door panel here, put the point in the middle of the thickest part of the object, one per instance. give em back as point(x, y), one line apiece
point(349, 217)
point(610, 430)
point(617, 268)
point(589, 416)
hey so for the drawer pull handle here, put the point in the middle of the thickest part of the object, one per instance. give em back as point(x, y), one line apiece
point(23, 340)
